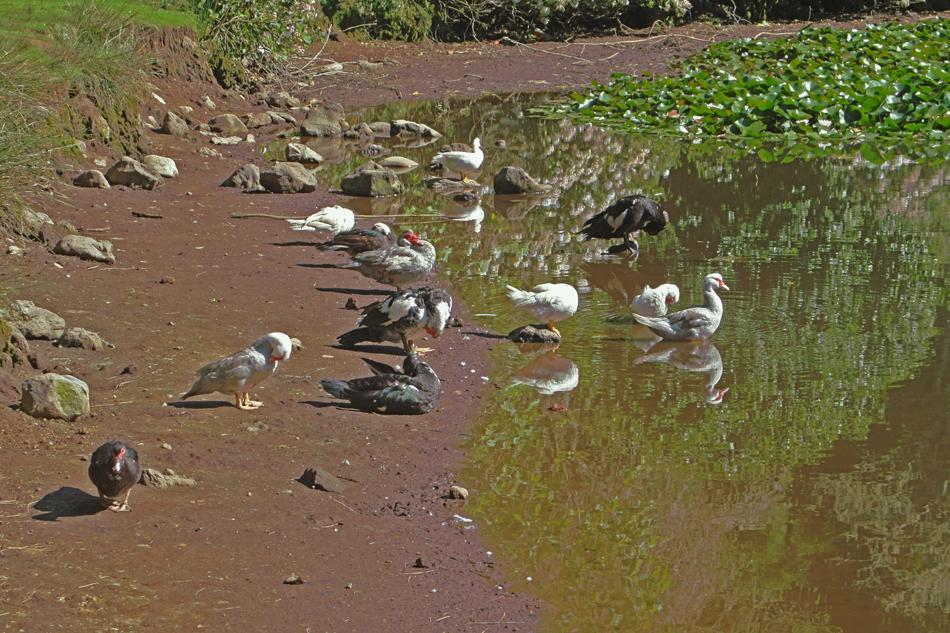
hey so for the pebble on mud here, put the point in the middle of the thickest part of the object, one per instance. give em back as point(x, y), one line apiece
point(458, 492)
point(293, 579)
point(320, 479)
point(168, 479)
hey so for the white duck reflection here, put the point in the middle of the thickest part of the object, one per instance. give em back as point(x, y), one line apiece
point(703, 358)
point(548, 374)
point(465, 207)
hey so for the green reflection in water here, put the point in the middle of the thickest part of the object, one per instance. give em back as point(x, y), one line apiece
point(632, 502)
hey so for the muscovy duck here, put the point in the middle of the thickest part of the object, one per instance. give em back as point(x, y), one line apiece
point(400, 316)
point(414, 389)
point(409, 261)
point(114, 469)
point(630, 214)
point(692, 324)
point(361, 240)
point(335, 219)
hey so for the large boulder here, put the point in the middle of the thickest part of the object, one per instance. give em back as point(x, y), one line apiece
point(300, 153)
point(35, 322)
point(247, 177)
point(288, 178)
point(161, 165)
point(54, 396)
point(91, 178)
point(371, 180)
point(85, 248)
point(324, 119)
point(173, 124)
point(516, 180)
point(131, 173)
point(228, 124)
point(81, 337)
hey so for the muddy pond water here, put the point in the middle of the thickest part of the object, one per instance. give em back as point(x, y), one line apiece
point(790, 475)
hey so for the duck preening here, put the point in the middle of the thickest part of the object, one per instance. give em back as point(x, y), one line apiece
point(333, 219)
point(692, 324)
point(626, 216)
point(361, 240)
point(413, 389)
point(241, 371)
point(548, 302)
point(408, 261)
point(114, 469)
point(462, 163)
point(654, 302)
point(400, 316)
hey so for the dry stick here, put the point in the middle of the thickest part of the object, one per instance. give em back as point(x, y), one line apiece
point(152, 216)
point(541, 50)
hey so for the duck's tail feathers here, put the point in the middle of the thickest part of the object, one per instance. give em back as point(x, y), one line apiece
point(361, 335)
point(336, 388)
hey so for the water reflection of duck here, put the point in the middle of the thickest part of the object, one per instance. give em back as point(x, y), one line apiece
point(626, 216)
point(704, 358)
point(466, 207)
point(548, 374)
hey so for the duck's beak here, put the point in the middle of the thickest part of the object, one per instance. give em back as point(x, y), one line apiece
point(723, 285)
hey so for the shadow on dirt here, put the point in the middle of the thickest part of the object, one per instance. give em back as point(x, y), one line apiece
point(67, 502)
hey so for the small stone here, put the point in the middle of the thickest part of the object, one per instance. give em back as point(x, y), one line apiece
point(458, 492)
point(360, 131)
point(15, 250)
point(226, 140)
point(402, 126)
point(167, 279)
point(185, 110)
point(81, 337)
point(281, 117)
point(300, 153)
point(250, 139)
point(351, 304)
point(293, 579)
point(166, 446)
point(257, 119)
point(168, 479)
point(533, 334)
point(91, 178)
point(228, 125)
point(131, 173)
point(419, 564)
point(161, 165)
point(515, 180)
point(321, 479)
point(206, 102)
point(173, 124)
point(54, 396)
point(371, 180)
point(85, 247)
point(398, 162)
point(209, 152)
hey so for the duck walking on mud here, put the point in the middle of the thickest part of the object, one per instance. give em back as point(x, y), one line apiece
point(114, 469)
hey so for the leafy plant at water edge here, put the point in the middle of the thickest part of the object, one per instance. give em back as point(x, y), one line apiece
point(883, 89)
point(387, 19)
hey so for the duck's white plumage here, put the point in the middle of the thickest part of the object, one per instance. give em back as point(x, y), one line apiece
point(548, 302)
point(464, 163)
point(692, 324)
point(335, 219)
point(653, 302)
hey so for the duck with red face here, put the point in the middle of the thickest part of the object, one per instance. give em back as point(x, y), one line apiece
point(114, 468)
point(408, 262)
point(692, 324)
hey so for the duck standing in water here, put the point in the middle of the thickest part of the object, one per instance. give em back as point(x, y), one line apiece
point(114, 468)
point(462, 163)
point(400, 316)
point(548, 302)
point(414, 389)
point(241, 371)
point(626, 216)
point(409, 261)
point(692, 324)
point(361, 240)
point(654, 302)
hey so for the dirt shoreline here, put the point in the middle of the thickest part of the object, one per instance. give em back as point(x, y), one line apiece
point(214, 557)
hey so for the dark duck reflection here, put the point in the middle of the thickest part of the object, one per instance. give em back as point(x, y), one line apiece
point(703, 358)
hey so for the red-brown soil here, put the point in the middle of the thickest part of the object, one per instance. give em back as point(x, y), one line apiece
point(214, 557)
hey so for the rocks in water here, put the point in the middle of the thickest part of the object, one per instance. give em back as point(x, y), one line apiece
point(81, 337)
point(246, 177)
point(402, 126)
point(228, 124)
point(300, 153)
point(320, 479)
point(448, 186)
point(371, 180)
point(173, 124)
point(35, 322)
point(257, 119)
point(281, 117)
point(373, 150)
point(131, 173)
point(288, 178)
point(323, 119)
point(85, 248)
point(91, 178)
point(516, 180)
point(161, 166)
point(533, 334)
point(381, 129)
point(398, 163)
point(54, 396)
point(361, 131)
point(157, 479)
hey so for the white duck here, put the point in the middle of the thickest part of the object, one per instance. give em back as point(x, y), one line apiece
point(548, 302)
point(653, 302)
point(462, 163)
point(692, 324)
point(241, 371)
point(334, 219)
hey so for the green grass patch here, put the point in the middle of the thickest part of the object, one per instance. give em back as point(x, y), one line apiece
point(882, 91)
point(26, 17)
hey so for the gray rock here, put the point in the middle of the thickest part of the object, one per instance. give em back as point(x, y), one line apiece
point(228, 124)
point(173, 124)
point(161, 166)
point(226, 140)
point(185, 110)
point(323, 119)
point(282, 99)
point(15, 250)
point(361, 131)
point(247, 177)
point(85, 248)
point(398, 163)
point(371, 180)
point(300, 153)
point(33, 223)
point(257, 119)
point(91, 178)
point(168, 479)
point(382, 129)
point(533, 334)
point(81, 337)
point(209, 152)
point(321, 479)
point(131, 173)
point(402, 126)
point(13, 343)
point(288, 178)
point(373, 150)
point(206, 102)
point(54, 396)
point(281, 117)
point(35, 322)
point(512, 179)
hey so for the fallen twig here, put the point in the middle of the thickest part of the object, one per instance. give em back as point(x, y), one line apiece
point(143, 214)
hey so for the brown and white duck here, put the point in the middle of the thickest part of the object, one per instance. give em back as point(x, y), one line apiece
point(626, 216)
point(361, 240)
point(409, 261)
point(114, 469)
point(692, 324)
